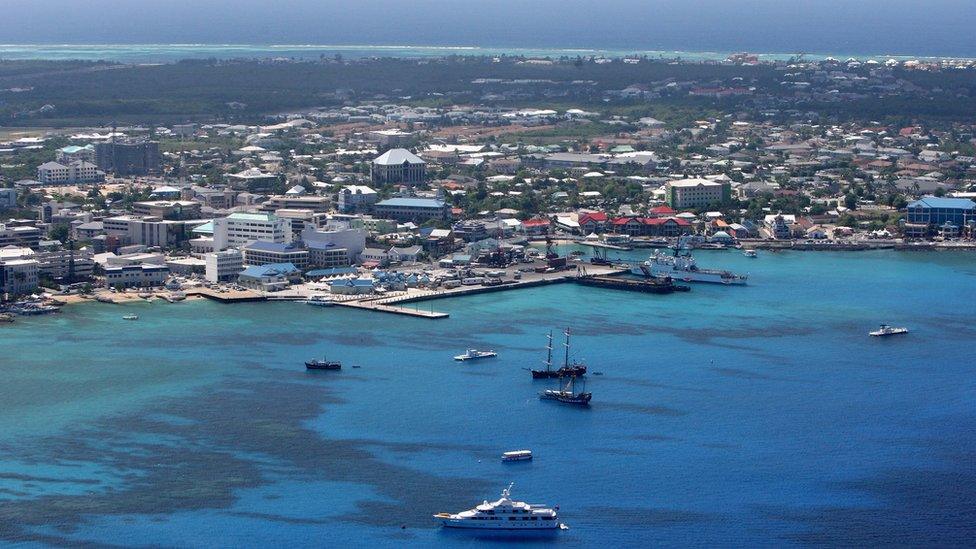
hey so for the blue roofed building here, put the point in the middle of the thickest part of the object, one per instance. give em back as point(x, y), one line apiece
point(262, 252)
point(937, 215)
point(353, 286)
point(269, 278)
point(413, 209)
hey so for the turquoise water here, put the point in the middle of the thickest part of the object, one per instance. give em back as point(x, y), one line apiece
point(752, 416)
point(163, 53)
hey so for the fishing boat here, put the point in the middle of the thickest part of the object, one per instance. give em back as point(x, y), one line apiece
point(566, 370)
point(567, 394)
point(130, 317)
point(517, 455)
point(323, 364)
point(504, 514)
point(886, 330)
point(474, 354)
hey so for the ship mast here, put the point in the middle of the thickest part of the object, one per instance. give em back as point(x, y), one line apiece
point(566, 360)
point(549, 355)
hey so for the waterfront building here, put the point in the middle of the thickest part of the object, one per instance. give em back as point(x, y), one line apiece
point(267, 253)
point(269, 278)
point(18, 270)
point(8, 198)
point(128, 157)
point(58, 263)
point(138, 275)
point(931, 214)
point(352, 286)
point(398, 166)
point(240, 228)
point(356, 198)
point(21, 236)
point(697, 193)
point(650, 226)
point(223, 266)
point(413, 209)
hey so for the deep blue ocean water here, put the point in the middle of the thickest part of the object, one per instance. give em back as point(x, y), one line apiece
point(735, 416)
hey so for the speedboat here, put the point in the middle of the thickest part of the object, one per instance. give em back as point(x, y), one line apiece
point(750, 253)
point(504, 514)
point(517, 455)
point(473, 354)
point(886, 330)
point(130, 317)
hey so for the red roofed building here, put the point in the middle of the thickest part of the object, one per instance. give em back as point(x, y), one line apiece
point(595, 222)
point(651, 226)
point(661, 211)
point(535, 226)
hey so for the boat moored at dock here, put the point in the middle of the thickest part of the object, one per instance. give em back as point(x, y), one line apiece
point(681, 266)
point(320, 301)
point(504, 514)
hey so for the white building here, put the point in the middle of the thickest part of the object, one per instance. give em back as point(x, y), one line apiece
point(55, 262)
point(149, 231)
point(697, 193)
point(53, 173)
point(224, 265)
point(356, 198)
point(334, 248)
point(238, 229)
point(18, 270)
point(136, 275)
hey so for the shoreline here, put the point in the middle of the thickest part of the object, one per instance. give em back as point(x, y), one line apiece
point(174, 52)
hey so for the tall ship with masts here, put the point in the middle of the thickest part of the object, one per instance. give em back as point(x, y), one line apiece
point(575, 369)
point(567, 394)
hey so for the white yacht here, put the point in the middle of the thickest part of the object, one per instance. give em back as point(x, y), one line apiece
point(682, 267)
point(517, 455)
point(504, 514)
point(473, 354)
point(320, 301)
point(886, 330)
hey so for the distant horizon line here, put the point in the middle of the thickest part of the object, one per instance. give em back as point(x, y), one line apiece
point(486, 50)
